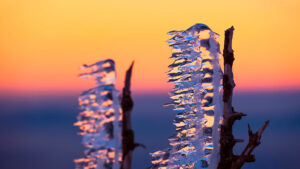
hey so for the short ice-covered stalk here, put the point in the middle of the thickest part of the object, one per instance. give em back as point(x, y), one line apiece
point(100, 119)
point(196, 75)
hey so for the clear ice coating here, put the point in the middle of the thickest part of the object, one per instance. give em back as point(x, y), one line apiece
point(196, 75)
point(100, 119)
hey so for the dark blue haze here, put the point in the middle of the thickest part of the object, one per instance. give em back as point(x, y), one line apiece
point(37, 132)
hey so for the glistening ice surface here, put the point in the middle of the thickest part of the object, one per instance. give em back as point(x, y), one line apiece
point(99, 121)
point(196, 76)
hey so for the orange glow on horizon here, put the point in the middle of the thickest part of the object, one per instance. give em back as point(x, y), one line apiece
point(43, 43)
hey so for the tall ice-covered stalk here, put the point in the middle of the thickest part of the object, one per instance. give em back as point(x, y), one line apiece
point(100, 119)
point(196, 75)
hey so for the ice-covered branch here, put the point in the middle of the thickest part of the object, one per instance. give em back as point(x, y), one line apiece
point(196, 76)
point(100, 119)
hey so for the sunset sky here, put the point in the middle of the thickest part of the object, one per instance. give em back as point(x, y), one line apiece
point(44, 42)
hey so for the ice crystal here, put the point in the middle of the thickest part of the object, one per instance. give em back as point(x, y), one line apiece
point(196, 76)
point(100, 119)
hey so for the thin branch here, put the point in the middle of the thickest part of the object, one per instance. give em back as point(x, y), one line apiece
point(128, 143)
point(254, 141)
point(227, 141)
point(127, 133)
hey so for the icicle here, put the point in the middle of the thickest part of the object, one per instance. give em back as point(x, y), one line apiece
point(100, 119)
point(196, 76)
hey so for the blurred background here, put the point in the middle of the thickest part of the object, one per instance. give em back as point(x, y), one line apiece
point(43, 44)
point(37, 132)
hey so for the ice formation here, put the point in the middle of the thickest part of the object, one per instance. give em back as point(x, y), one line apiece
point(196, 76)
point(100, 119)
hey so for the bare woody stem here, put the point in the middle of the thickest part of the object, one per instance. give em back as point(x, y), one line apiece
point(227, 141)
point(128, 144)
point(127, 132)
point(254, 141)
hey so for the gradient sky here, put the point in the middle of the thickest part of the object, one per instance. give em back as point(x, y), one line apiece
point(43, 43)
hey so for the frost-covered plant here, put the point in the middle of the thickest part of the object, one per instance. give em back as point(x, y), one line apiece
point(100, 119)
point(196, 75)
